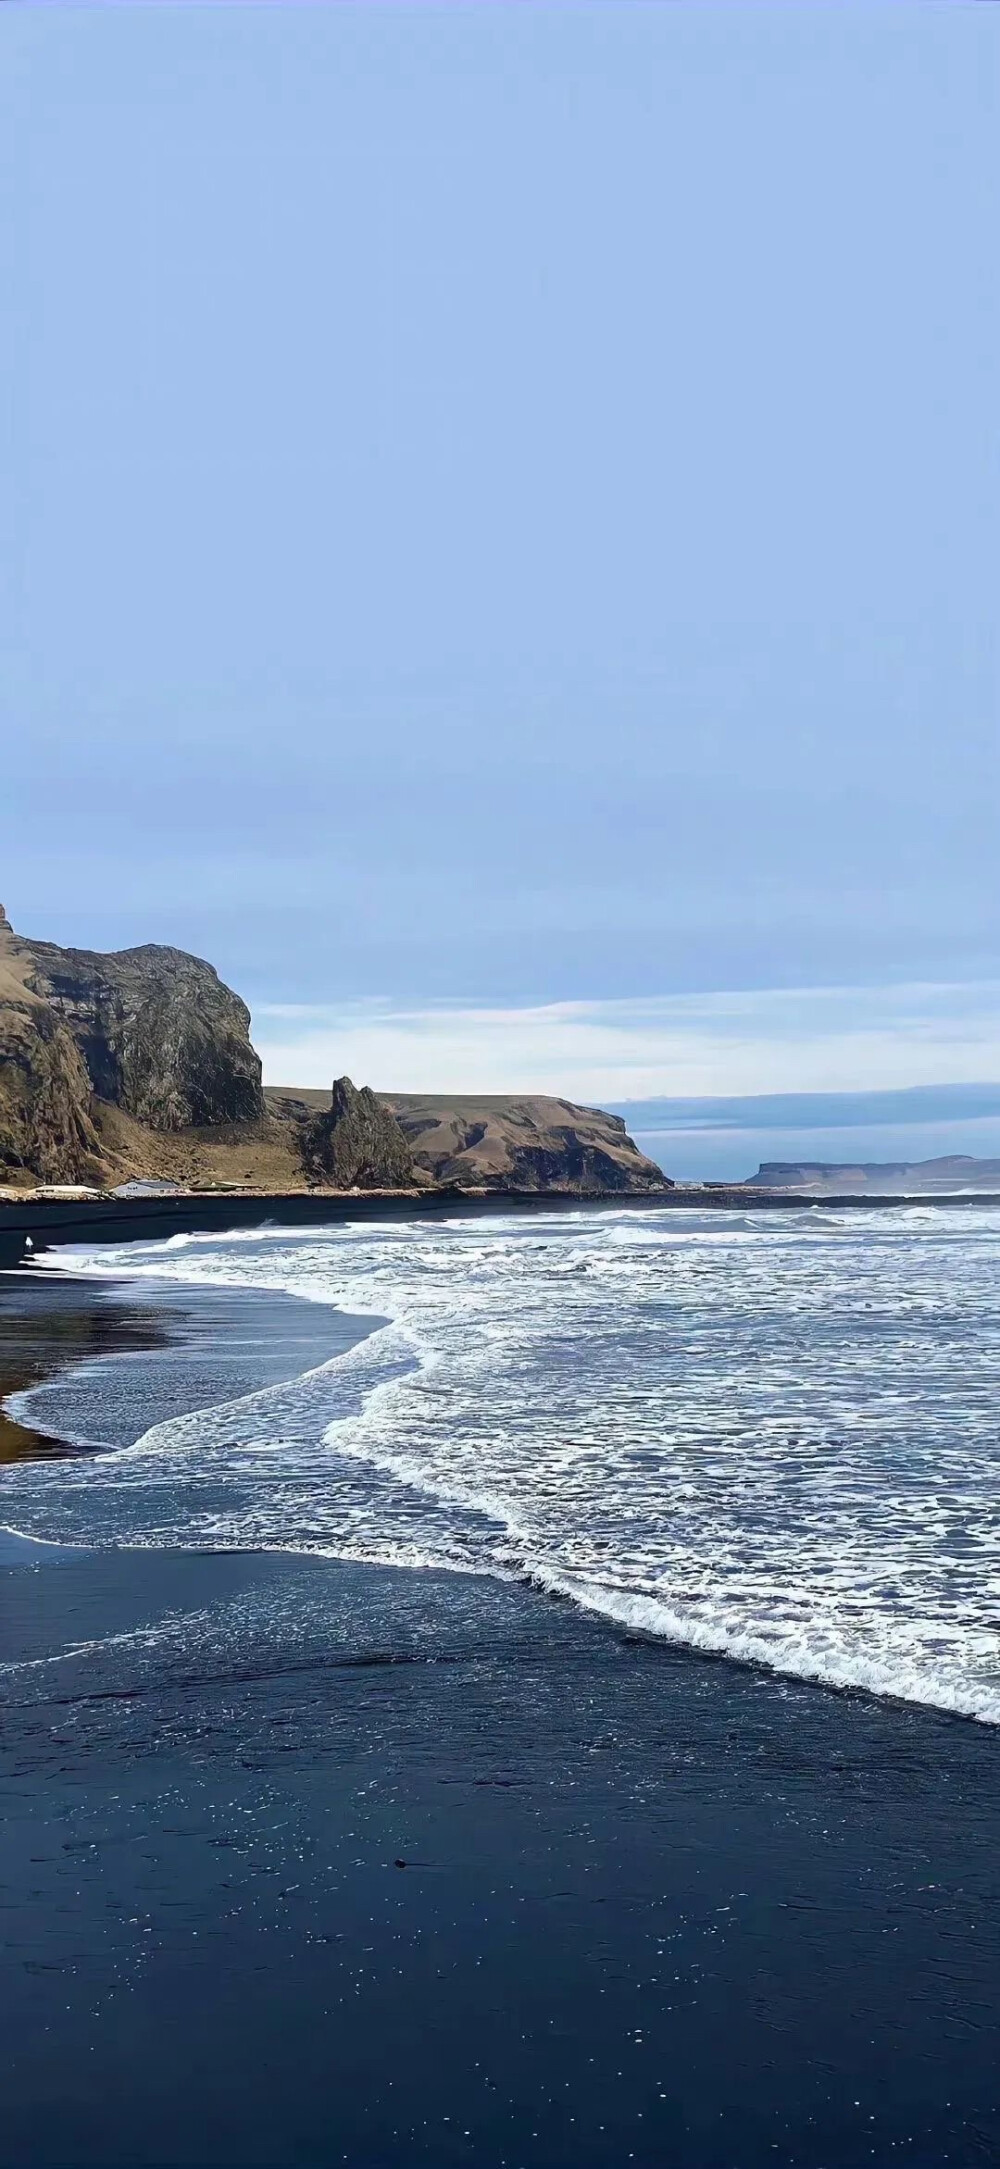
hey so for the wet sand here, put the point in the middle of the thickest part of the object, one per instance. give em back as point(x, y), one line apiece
point(48, 1323)
point(201, 1346)
point(306, 1862)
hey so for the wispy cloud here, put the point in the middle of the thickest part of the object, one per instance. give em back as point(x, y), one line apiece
point(822, 1039)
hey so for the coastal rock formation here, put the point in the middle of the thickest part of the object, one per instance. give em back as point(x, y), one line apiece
point(159, 1034)
point(45, 1121)
point(356, 1143)
point(494, 1142)
point(138, 1065)
point(149, 1032)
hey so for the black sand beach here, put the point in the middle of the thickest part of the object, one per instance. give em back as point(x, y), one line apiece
point(197, 1349)
point(306, 1862)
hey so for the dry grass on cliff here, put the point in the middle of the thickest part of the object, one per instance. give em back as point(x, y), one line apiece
point(262, 1158)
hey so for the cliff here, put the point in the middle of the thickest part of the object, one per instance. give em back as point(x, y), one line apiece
point(502, 1142)
point(159, 1034)
point(45, 1119)
point(498, 1142)
point(150, 1035)
point(950, 1175)
point(139, 1063)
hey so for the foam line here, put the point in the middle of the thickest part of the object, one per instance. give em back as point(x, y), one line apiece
point(770, 1440)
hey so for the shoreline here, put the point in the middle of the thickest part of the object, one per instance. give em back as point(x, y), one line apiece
point(261, 1808)
point(54, 1325)
point(282, 1336)
point(47, 1325)
point(48, 1223)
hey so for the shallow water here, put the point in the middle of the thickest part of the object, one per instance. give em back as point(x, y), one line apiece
point(774, 1438)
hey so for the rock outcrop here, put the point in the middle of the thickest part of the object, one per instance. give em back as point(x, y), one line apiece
point(151, 1032)
point(45, 1120)
point(356, 1144)
point(159, 1033)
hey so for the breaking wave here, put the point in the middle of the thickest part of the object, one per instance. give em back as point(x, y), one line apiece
point(765, 1437)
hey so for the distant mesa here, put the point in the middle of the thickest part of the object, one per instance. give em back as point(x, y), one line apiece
point(950, 1175)
point(135, 1072)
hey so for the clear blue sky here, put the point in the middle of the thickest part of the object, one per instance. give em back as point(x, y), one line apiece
point(505, 512)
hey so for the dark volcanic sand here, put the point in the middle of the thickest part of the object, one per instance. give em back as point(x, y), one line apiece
point(654, 1908)
point(46, 1324)
point(198, 1347)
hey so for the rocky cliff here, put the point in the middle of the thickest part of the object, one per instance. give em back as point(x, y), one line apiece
point(45, 1119)
point(159, 1034)
point(495, 1142)
point(355, 1143)
point(139, 1063)
point(151, 1032)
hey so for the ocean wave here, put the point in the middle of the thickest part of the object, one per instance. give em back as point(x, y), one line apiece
point(771, 1437)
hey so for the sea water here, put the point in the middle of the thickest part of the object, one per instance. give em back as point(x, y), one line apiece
point(770, 1436)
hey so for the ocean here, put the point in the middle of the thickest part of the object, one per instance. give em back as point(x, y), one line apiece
point(775, 1439)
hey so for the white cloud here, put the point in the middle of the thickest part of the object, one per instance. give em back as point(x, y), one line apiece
point(767, 1040)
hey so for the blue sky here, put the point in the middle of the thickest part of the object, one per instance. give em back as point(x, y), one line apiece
point(504, 525)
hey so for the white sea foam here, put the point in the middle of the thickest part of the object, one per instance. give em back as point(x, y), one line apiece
point(765, 1435)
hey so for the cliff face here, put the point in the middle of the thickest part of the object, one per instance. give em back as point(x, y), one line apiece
point(356, 1143)
point(500, 1143)
point(497, 1142)
point(45, 1121)
point(159, 1034)
point(151, 1032)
